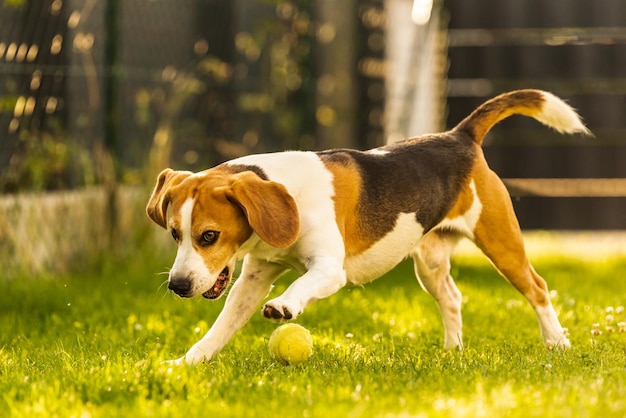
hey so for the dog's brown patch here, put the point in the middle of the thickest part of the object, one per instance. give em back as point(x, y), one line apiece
point(347, 184)
point(498, 235)
point(161, 197)
point(463, 202)
point(270, 209)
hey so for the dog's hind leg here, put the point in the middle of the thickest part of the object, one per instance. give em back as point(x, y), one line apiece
point(431, 259)
point(244, 298)
point(498, 235)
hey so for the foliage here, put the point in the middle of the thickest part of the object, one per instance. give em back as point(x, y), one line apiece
point(46, 161)
point(14, 3)
point(261, 98)
point(91, 345)
point(250, 91)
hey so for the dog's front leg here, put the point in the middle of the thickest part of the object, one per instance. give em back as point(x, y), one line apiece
point(325, 276)
point(245, 296)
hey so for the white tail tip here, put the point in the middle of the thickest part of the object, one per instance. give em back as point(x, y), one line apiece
point(560, 116)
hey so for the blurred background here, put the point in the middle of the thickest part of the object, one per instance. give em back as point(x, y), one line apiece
point(96, 97)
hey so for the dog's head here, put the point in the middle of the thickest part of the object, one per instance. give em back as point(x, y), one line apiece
point(212, 214)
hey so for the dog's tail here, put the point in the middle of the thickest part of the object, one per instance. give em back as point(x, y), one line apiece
point(540, 105)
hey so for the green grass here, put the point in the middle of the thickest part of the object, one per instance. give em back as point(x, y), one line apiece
point(92, 345)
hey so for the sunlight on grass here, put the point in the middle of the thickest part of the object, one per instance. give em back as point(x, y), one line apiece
point(92, 345)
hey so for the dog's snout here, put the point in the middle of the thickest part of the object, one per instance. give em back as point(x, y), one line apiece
point(180, 285)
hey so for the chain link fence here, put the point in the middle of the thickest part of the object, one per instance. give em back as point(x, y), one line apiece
point(92, 87)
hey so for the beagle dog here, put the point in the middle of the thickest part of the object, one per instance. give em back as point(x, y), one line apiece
point(344, 216)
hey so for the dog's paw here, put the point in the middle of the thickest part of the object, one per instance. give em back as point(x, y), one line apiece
point(277, 310)
point(561, 343)
point(176, 362)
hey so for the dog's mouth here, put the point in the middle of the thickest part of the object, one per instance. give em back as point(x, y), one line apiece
point(221, 284)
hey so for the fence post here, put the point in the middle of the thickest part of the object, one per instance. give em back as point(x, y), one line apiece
point(336, 93)
point(111, 166)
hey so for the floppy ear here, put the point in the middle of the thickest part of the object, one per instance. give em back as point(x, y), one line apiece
point(160, 199)
point(271, 211)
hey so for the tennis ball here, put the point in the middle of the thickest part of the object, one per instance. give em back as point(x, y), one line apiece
point(291, 344)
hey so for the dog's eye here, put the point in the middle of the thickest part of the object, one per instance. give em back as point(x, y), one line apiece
point(174, 235)
point(209, 237)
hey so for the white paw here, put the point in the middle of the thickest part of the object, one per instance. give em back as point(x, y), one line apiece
point(277, 309)
point(177, 362)
point(562, 343)
point(193, 356)
point(196, 355)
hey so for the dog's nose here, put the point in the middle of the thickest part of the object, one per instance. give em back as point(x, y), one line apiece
point(179, 285)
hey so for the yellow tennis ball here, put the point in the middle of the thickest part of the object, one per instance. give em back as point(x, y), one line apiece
point(291, 344)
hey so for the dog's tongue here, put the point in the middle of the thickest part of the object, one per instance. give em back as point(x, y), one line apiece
point(219, 286)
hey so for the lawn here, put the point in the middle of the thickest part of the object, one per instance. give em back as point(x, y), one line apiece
point(91, 344)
